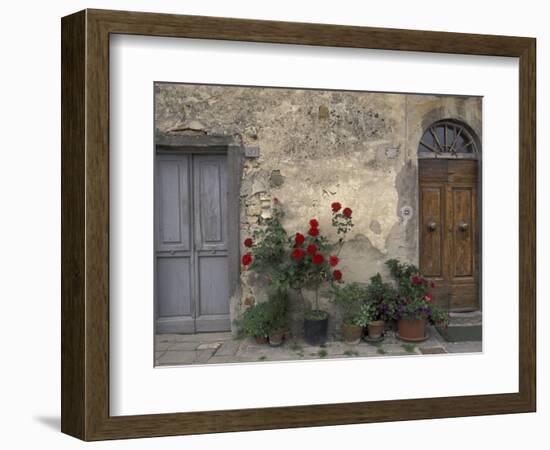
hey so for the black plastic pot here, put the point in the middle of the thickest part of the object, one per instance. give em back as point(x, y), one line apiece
point(315, 331)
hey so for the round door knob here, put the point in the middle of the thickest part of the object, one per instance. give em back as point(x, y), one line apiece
point(432, 226)
point(463, 226)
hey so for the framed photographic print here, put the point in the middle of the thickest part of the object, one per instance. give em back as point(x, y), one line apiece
point(270, 224)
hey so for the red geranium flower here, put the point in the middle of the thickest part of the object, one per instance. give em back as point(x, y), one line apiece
point(297, 254)
point(416, 280)
point(347, 212)
point(337, 275)
point(247, 259)
point(312, 249)
point(333, 260)
point(318, 258)
point(248, 242)
point(313, 232)
point(336, 206)
point(314, 223)
point(433, 285)
point(299, 239)
point(428, 297)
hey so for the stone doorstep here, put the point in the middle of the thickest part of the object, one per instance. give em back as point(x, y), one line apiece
point(462, 333)
point(466, 318)
point(464, 347)
point(463, 326)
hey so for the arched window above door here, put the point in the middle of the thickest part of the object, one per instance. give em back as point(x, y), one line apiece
point(448, 139)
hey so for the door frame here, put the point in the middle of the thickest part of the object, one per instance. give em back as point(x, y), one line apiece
point(178, 144)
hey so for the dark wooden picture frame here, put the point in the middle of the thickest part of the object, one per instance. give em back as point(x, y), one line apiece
point(85, 224)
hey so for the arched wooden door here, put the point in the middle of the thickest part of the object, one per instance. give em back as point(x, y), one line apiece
point(449, 218)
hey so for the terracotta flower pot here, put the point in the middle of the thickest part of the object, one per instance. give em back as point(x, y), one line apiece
point(412, 330)
point(276, 338)
point(376, 329)
point(351, 333)
point(260, 340)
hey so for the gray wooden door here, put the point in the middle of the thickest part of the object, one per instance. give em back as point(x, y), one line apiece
point(191, 243)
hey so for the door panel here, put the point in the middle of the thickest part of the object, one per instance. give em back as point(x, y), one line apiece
point(431, 221)
point(447, 190)
point(462, 232)
point(173, 203)
point(174, 281)
point(191, 243)
point(210, 182)
point(174, 305)
point(213, 268)
point(210, 205)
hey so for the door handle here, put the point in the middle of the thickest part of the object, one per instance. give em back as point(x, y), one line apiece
point(463, 226)
point(432, 226)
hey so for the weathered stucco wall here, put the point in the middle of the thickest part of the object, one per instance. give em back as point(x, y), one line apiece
point(317, 147)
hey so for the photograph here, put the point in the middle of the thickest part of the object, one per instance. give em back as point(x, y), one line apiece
point(275, 225)
point(298, 224)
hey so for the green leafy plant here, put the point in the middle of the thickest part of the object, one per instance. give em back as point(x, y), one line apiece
point(301, 261)
point(350, 299)
point(255, 321)
point(263, 318)
point(366, 315)
point(380, 302)
point(268, 254)
point(278, 309)
point(414, 296)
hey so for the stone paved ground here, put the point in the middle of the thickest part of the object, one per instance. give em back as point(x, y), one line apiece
point(216, 348)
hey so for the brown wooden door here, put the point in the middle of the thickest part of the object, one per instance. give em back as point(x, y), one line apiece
point(449, 230)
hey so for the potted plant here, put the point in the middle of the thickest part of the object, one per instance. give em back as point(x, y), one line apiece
point(414, 303)
point(380, 306)
point(255, 322)
point(266, 321)
point(278, 302)
point(302, 262)
point(313, 265)
point(349, 299)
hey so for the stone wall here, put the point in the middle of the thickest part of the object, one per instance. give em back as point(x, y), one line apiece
point(317, 147)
